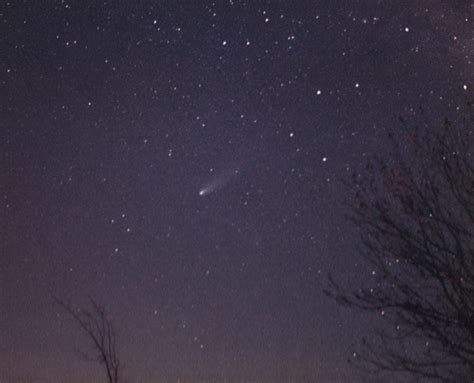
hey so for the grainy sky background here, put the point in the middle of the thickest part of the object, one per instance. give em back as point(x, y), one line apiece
point(183, 163)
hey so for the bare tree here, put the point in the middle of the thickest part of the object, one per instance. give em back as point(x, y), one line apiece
point(100, 332)
point(415, 215)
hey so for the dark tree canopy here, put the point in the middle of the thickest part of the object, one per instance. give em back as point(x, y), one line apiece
point(100, 334)
point(415, 214)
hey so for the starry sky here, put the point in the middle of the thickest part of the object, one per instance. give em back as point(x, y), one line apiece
point(184, 162)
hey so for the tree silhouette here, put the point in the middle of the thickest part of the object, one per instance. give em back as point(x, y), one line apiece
point(97, 327)
point(415, 216)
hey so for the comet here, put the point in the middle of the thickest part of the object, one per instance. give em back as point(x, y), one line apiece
point(220, 181)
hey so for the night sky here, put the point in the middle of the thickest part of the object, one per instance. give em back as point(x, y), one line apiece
point(184, 162)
